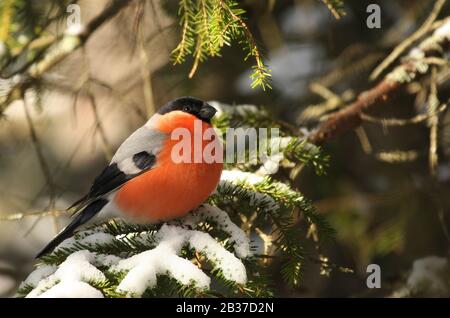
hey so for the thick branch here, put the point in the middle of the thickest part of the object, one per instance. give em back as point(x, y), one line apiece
point(350, 117)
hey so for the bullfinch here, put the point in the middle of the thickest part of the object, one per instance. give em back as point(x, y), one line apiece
point(143, 182)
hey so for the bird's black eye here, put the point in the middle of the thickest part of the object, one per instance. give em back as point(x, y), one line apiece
point(187, 108)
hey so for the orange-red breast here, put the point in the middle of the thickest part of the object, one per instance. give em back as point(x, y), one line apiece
point(144, 181)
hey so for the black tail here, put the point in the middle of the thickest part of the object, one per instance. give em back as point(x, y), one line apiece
point(81, 218)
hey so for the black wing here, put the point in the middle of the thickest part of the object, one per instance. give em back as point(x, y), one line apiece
point(112, 177)
point(135, 155)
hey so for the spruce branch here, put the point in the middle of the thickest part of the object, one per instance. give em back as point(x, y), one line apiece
point(209, 25)
point(119, 259)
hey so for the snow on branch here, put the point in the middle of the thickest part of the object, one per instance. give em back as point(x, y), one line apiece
point(238, 237)
point(143, 268)
point(272, 197)
point(81, 271)
point(264, 201)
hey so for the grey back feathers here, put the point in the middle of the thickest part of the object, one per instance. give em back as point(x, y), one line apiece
point(139, 150)
point(143, 139)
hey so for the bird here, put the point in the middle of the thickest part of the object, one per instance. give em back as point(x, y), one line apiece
point(144, 181)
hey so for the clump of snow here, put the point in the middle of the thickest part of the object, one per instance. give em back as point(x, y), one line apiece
point(76, 289)
point(271, 164)
point(67, 243)
point(143, 268)
point(232, 268)
point(39, 274)
point(238, 237)
point(416, 53)
point(86, 239)
point(97, 238)
point(443, 32)
point(401, 74)
point(231, 178)
point(106, 260)
point(236, 176)
point(76, 268)
point(429, 275)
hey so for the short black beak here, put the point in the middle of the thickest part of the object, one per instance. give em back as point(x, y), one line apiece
point(207, 112)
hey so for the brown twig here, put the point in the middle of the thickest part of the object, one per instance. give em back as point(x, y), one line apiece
point(20, 216)
point(403, 122)
point(433, 104)
point(364, 140)
point(332, 102)
point(350, 117)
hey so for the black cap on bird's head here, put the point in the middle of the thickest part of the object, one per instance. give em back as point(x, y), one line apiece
point(191, 105)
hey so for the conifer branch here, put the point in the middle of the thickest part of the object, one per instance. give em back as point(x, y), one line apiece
point(207, 26)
